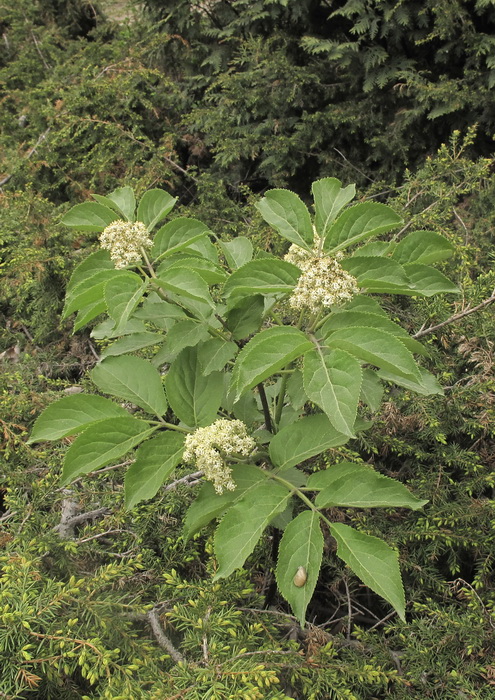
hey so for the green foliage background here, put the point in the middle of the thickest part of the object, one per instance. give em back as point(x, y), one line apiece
point(216, 101)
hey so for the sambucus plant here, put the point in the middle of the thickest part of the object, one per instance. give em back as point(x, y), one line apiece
point(257, 364)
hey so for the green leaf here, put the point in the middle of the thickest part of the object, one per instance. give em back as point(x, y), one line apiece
point(307, 437)
point(106, 329)
point(203, 248)
point(88, 313)
point(281, 520)
point(194, 399)
point(155, 460)
point(371, 389)
point(329, 198)
point(374, 249)
point(288, 214)
point(424, 247)
point(246, 316)
point(89, 291)
point(209, 504)
point(214, 354)
point(183, 334)
point(246, 409)
point(154, 206)
point(70, 415)
point(102, 443)
point(295, 390)
point(359, 222)
point(202, 310)
point(157, 310)
point(106, 202)
point(294, 476)
point(427, 281)
point(244, 523)
point(263, 276)
point(351, 317)
point(362, 303)
point(359, 486)
point(376, 564)
point(185, 282)
point(266, 353)
point(301, 546)
point(133, 379)
point(377, 347)
point(124, 200)
point(90, 266)
point(237, 252)
point(122, 295)
point(426, 385)
point(375, 273)
point(89, 216)
point(332, 380)
point(121, 200)
point(348, 319)
point(177, 235)
point(209, 271)
point(132, 342)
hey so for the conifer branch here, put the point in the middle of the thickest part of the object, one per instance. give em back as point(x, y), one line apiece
point(161, 637)
point(456, 317)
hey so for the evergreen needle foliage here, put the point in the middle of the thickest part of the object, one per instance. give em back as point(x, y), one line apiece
point(217, 102)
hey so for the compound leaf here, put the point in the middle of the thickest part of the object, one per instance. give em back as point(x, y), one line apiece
point(154, 206)
point(194, 398)
point(133, 379)
point(288, 214)
point(376, 564)
point(360, 486)
point(102, 443)
point(70, 415)
point(307, 437)
point(332, 380)
point(301, 546)
point(269, 351)
point(244, 523)
point(155, 460)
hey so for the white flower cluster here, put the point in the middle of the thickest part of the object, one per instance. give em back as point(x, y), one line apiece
point(323, 282)
point(208, 448)
point(124, 240)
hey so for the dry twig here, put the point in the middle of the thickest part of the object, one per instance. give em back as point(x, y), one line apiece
point(456, 317)
point(69, 519)
point(28, 154)
point(188, 480)
point(161, 637)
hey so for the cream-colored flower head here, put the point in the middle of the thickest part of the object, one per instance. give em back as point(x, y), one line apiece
point(209, 447)
point(124, 240)
point(323, 282)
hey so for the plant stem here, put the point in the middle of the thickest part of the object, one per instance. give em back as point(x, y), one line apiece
point(295, 490)
point(259, 455)
point(313, 321)
point(266, 408)
point(224, 324)
point(212, 331)
point(280, 399)
point(179, 429)
point(148, 263)
point(322, 321)
point(277, 318)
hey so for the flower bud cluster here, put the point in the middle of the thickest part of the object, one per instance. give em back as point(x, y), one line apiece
point(209, 447)
point(323, 282)
point(124, 240)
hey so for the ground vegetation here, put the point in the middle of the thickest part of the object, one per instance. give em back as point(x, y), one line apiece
point(216, 102)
